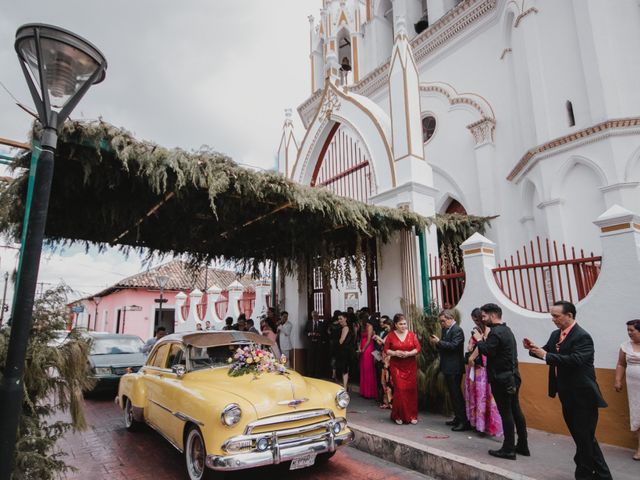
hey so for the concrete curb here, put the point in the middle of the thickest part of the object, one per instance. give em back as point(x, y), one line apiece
point(424, 459)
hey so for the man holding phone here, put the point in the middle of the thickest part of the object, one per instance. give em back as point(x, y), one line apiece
point(451, 350)
point(501, 351)
point(569, 352)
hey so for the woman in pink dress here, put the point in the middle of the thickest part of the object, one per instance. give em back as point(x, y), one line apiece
point(482, 411)
point(368, 384)
point(403, 346)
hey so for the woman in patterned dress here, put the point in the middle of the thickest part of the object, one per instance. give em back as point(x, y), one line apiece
point(403, 346)
point(629, 364)
point(482, 411)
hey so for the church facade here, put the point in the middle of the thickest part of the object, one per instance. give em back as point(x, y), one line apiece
point(527, 110)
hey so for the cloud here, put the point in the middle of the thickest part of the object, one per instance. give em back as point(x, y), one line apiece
point(217, 73)
point(199, 72)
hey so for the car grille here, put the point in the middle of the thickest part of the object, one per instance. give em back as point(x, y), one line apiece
point(288, 421)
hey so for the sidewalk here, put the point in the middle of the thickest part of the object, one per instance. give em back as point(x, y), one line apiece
point(430, 447)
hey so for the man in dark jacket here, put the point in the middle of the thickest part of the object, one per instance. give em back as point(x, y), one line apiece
point(569, 352)
point(501, 351)
point(451, 349)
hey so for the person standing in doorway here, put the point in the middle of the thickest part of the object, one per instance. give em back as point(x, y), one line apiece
point(501, 352)
point(569, 352)
point(451, 349)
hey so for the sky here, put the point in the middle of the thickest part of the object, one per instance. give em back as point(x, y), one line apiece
point(191, 73)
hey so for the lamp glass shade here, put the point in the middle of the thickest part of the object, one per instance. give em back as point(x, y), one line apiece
point(68, 61)
point(162, 280)
point(96, 300)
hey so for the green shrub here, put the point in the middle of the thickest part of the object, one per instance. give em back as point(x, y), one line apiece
point(55, 377)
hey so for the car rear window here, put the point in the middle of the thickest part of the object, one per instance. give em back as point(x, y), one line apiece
point(211, 357)
point(111, 345)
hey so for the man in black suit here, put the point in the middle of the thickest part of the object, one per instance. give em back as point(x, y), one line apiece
point(569, 354)
point(451, 350)
point(316, 333)
point(501, 351)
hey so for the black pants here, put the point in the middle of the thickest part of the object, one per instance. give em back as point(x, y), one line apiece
point(453, 382)
point(580, 412)
point(314, 362)
point(511, 415)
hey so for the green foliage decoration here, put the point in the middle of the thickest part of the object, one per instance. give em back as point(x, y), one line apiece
point(111, 189)
point(55, 377)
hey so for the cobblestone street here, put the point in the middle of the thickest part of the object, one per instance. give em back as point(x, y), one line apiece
point(107, 451)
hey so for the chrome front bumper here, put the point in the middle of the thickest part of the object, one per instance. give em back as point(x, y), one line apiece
point(280, 451)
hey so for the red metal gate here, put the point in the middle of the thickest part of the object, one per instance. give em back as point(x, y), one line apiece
point(446, 283)
point(544, 274)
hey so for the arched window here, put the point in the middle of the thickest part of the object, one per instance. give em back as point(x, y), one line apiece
point(428, 128)
point(570, 115)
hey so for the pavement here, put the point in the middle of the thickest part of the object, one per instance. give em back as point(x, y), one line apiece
point(106, 451)
point(430, 447)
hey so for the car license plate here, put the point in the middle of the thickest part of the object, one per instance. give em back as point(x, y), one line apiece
point(303, 461)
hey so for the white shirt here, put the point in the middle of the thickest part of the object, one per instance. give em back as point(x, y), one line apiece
point(284, 335)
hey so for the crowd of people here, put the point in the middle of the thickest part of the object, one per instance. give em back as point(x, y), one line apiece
point(481, 375)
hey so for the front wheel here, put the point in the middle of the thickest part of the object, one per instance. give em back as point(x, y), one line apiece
point(130, 423)
point(195, 454)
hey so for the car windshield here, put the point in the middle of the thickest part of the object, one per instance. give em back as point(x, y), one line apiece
point(111, 345)
point(212, 357)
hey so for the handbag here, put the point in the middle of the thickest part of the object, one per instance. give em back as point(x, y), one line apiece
point(377, 356)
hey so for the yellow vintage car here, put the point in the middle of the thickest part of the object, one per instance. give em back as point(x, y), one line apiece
point(222, 422)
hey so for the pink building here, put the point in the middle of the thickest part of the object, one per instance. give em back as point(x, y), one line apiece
point(132, 305)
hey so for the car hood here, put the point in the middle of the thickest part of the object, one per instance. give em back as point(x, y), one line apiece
point(269, 393)
point(117, 360)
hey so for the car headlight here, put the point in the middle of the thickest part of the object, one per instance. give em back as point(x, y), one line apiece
point(231, 414)
point(103, 370)
point(342, 399)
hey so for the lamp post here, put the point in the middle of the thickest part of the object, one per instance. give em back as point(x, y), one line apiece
point(162, 280)
point(4, 297)
point(96, 300)
point(59, 68)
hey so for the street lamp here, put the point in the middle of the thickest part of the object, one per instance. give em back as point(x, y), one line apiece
point(162, 281)
point(96, 300)
point(59, 68)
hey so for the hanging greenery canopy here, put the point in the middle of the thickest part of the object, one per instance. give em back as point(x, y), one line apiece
point(112, 189)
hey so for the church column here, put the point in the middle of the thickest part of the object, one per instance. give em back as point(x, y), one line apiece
point(414, 175)
point(485, 154)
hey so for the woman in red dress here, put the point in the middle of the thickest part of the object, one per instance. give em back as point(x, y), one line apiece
point(402, 346)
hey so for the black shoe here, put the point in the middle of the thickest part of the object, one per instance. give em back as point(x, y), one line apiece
point(452, 423)
point(463, 427)
point(523, 450)
point(502, 454)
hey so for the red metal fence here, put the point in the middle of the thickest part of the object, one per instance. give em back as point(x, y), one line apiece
point(544, 273)
point(446, 283)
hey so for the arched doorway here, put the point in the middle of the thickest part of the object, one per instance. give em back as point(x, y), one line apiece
point(344, 168)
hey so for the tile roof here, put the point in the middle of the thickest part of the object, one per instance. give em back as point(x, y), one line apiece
point(180, 278)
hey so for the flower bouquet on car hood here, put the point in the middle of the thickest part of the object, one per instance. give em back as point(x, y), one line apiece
point(255, 360)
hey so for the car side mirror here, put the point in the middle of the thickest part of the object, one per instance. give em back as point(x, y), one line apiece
point(179, 370)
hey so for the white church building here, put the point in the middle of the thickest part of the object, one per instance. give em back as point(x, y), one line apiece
point(524, 109)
